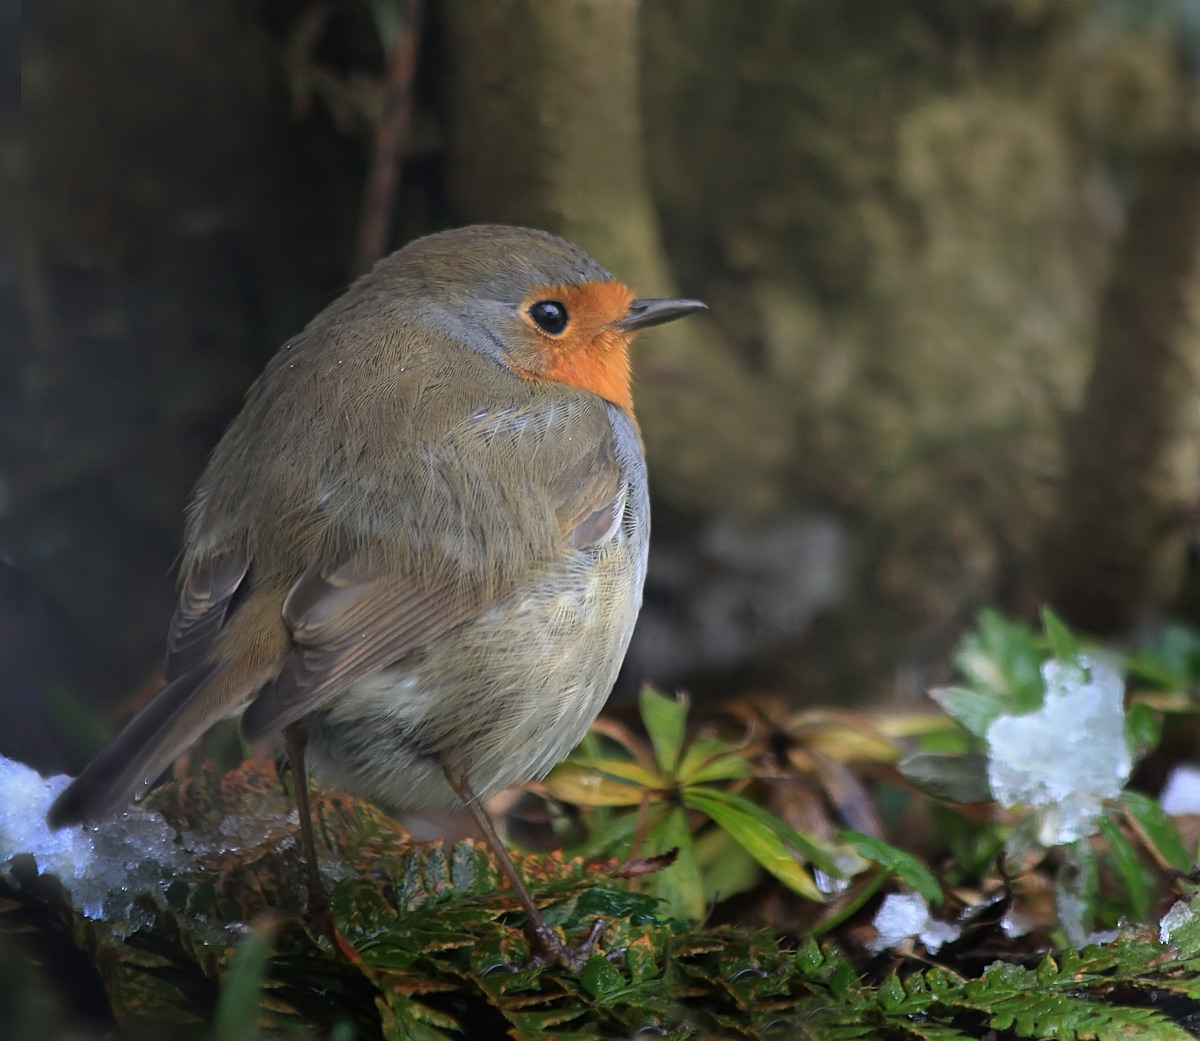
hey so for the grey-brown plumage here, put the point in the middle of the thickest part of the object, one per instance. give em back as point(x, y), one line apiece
point(424, 537)
point(410, 536)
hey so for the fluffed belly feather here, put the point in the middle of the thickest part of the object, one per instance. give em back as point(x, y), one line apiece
point(510, 693)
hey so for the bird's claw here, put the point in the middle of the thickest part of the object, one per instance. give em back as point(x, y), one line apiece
point(548, 949)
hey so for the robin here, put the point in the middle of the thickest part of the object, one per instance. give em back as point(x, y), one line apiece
point(419, 550)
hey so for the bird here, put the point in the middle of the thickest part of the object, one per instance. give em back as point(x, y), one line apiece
point(418, 552)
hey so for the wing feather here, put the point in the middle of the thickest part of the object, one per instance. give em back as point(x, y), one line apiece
point(354, 618)
point(205, 596)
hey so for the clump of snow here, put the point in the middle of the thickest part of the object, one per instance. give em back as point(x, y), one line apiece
point(903, 916)
point(1181, 794)
point(24, 798)
point(1180, 914)
point(106, 865)
point(138, 851)
point(1070, 755)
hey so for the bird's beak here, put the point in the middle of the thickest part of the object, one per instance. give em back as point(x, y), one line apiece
point(644, 313)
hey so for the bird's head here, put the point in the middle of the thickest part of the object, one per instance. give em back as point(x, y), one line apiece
point(532, 301)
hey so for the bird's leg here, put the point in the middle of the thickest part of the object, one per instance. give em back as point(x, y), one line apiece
point(295, 740)
point(546, 946)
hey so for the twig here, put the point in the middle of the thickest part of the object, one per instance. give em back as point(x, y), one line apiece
point(383, 179)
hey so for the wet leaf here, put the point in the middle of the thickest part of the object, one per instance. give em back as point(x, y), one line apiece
point(904, 866)
point(760, 835)
point(403, 1019)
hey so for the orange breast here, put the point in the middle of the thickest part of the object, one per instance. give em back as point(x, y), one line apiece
point(589, 353)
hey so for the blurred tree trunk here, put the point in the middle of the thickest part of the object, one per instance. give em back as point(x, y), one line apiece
point(548, 132)
point(1132, 467)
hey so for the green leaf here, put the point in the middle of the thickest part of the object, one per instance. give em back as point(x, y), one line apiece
point(1003, 658)
point(760, 835)
point(580, 784)
point(641, 959)
point(403, 1019)
point(850, 904)
point(809, 958)
point(972, 844)
point(954, 778)
point(1158, 828)
point(728, 768)
point(728, 869)
point(891, 995)
point(624, 769)
point(1171, 661)
point(711, 759)
point(819, 853)
point(1143, 728)
point(681, 886)
point(666, 723)
point(843, 981)
point(903, 865)
point(1063, 644)
point(974, 709)
point(640, 908)
point(1185, 936)
point(237, 1013)
point(612, 838)
point(600, 976)
point(1129, 868)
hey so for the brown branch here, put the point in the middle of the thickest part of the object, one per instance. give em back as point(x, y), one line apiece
point(391, 131)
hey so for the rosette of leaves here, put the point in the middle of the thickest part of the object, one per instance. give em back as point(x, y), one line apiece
point(690, 800)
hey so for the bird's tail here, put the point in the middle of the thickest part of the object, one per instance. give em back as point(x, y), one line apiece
point(177, 716)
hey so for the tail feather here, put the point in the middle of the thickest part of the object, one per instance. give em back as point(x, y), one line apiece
point(136, 756)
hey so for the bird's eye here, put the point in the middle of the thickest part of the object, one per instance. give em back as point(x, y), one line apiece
point(549, 315)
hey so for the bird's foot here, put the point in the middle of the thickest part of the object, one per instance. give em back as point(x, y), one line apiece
point(548, 949)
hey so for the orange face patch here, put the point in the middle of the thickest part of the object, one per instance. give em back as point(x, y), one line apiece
point(589, 353)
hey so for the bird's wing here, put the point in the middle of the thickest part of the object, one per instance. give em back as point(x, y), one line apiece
point(205, 596)
point(356, 616)
point(586, 496)
point(550, 474)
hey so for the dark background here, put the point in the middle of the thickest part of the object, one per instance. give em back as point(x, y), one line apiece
point(950, 250)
